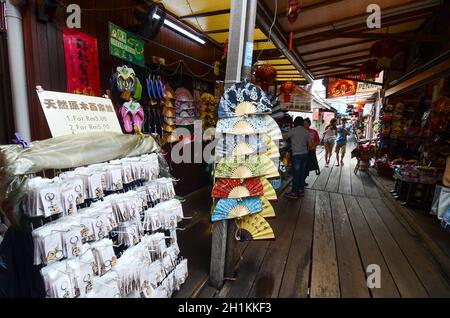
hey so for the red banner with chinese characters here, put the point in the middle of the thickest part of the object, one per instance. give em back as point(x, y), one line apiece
point(339, 87)
point(83, 75)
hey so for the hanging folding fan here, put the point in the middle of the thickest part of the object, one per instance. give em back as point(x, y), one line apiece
point(242, 125)
point(169, 121)
point(186, 113)
point(185, 121)
point(239, 145)
point(268, 211)
point(168, 103)
point(236, 208)
point(237, 189)
point(168, 112)
point(245, 168)
point(272, 148)
point(183, 95)
point(170, 138)
point(269, 191)
point(273, 130)
point(253, 228)
point(244, 99)
point(169, 128)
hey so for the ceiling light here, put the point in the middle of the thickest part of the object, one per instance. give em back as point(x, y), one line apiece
point(179, 29)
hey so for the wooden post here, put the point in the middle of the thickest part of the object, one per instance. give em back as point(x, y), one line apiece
point(224, 255)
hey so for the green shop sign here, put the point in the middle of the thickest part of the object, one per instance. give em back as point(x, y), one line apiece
point(126, 46)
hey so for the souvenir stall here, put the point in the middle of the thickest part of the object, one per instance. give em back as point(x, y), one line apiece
point(102, 221)
point(245, 160)
point(414, 142)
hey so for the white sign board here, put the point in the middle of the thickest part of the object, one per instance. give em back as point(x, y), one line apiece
point(70, 114)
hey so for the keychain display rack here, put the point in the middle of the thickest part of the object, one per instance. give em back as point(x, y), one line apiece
point(106, 230)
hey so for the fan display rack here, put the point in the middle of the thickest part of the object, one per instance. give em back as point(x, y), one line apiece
point(242, 191)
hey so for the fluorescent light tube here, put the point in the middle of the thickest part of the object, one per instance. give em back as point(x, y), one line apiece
point(181, 30)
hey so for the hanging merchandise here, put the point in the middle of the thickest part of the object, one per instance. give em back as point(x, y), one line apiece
point(186, 109)
point(236, 208)
point(112, 232)
point(208, 110)
point(287, 88)
point(169, 120)
point(243, 168)
point(253, 228)
point(126, 83)
point(132, 116)
point(244, 99)
point(244, 153)
point(266, 74)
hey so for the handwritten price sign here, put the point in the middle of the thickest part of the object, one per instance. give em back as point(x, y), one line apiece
point(69, 114)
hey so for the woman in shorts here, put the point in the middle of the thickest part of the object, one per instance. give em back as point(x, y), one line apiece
point(329, 139)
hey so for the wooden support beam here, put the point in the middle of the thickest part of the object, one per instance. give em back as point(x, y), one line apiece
point(336, 56)
point(420, 79)
point(355, 59)
point(205, 14)
point(334, 74)
point(217, 31)
point(363, 16)
point(337, 65)
point(334, 47)
point(386, 22)
point(358, 80)
point(374, 36)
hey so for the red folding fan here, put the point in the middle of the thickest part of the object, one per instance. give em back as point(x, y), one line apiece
point(237, 189)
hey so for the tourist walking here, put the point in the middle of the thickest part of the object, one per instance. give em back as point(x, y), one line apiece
point(329, 139)
point(300, 142)
point(314, 139)
point(341, 142)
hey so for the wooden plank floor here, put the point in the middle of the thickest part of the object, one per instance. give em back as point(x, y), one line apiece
point(327, 240)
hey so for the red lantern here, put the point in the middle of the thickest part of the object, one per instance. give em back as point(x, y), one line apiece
point(292, 11)
point(287, 88)
point(266, 74)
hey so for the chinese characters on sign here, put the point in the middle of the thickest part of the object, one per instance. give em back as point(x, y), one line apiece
point(339, 87)
point(69, 114)
point(81, 53)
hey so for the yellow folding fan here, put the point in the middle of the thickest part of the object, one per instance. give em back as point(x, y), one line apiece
point(268, 212)
point(272, 149)
point(269, 191)
point(253, 228)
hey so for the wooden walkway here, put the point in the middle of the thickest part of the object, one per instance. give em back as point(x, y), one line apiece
point(325, 243)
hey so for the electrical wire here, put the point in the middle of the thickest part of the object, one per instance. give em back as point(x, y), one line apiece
point(192, 12)
point(270, 30)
